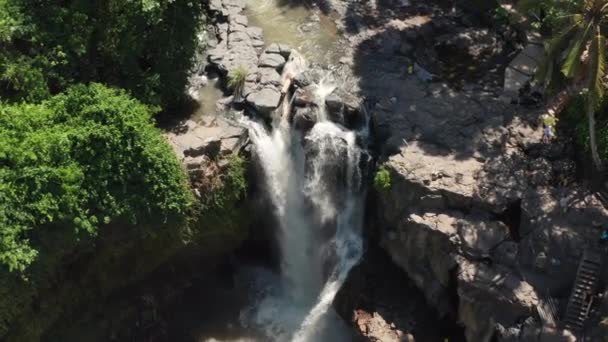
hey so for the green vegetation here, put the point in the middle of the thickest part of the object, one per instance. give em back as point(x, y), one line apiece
point(548, 14)
point(82, 159)
point(146, 47)
point(92, 198)
point(236, 80)
point(382, 179)
point(576, 54)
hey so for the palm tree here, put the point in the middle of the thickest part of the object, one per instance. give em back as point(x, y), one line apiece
point(578, 51)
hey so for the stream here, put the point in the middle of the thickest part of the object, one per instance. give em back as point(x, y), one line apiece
point(296, 24)
point(315, 186)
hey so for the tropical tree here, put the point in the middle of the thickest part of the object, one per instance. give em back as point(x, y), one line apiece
point(577, 54)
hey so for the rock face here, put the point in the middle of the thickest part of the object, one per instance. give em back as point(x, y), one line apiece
point(473, 208)
point(486, 220)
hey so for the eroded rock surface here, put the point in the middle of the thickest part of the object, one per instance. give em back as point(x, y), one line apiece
point(485, 219)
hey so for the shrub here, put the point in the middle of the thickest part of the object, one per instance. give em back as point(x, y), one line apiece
point(382, 179)
point(236, 80)
point(82, 159)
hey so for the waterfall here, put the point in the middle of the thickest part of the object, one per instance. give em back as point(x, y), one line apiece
point(315, 185)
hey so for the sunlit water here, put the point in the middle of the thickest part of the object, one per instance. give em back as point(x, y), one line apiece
point(293, 23)
point(315, 185)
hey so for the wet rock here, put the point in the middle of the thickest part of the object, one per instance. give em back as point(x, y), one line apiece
point(335, 108)
point(309, 77)
point(272, 60)
point(304, 96)
point(265, 100)
point(195, 83)
point(304, 118)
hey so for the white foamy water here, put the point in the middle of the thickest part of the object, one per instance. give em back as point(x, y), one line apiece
point(315, 185)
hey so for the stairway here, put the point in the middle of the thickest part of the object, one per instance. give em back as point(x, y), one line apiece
point(581, 298)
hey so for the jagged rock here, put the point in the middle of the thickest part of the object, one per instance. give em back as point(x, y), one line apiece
point(265, 100)
point(272, 60)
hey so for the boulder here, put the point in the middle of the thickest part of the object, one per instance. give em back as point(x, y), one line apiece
point(304, 96)
point(265, 100)
point(304, 118)
point(272, 60)
point(309, 77)
point(269, 76)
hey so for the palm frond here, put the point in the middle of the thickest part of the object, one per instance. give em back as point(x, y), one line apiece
point(573, 60)
point(595, 83)
point(553, 49)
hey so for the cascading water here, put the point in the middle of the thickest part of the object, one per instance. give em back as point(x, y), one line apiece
point(315, 186)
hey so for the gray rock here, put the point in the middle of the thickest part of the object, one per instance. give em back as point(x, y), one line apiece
point(265, 100)
point(209, 147)
point(248, 88)
point(204, 138)
point(272, 60)
point(269, 76)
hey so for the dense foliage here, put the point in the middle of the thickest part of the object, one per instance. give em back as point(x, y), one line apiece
point(145, 46)
point(82, 159)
